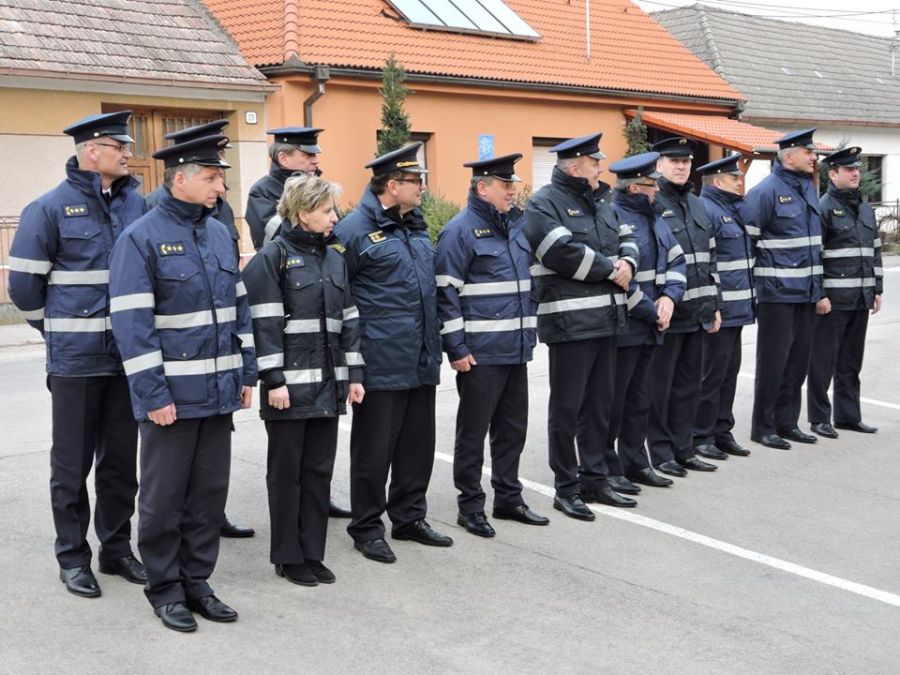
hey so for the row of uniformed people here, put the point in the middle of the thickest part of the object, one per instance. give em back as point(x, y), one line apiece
point(585, 261)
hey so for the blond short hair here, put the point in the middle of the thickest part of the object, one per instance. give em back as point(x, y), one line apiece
point(304, 193)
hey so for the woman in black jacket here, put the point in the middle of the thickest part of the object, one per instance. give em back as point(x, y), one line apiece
point(306, 330)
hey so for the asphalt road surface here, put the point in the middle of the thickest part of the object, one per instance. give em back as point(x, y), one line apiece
point(782, 561)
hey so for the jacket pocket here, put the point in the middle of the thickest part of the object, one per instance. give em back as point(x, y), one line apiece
point(77, 321)
point(188, 374)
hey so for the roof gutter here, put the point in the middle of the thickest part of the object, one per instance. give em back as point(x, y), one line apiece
point(321, 76)
point(371, 74)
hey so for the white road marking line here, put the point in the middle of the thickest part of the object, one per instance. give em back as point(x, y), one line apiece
point(870, 401)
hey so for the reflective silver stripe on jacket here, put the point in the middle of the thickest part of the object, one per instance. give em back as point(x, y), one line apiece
point(794, 242)
point(550, 239)
point(86, 277)
point(848, 252)
point(585, 266)
point(496, 288)
point(143, 362)
point(351, 313)
point(540, 271)
point(54, 324)
point(646, 275)
point(270, 361)
point(452, 326)
point(787, 272)
point(444, 280)
point(694, 258)
point(634, 299)
point(303, 326)
point(123, 303)
point(194, 319)
point(240, 289)
point(303, 376)
point(33, 314)
point(271, 228)
point(735, 265)
point(753, 231)
point(333, 325)
point(29, 266)
point(355, 359)
point(203, 366)
point(267, 309)
point(578, 304)
point(849, 283)
point(675, 251)
point(500, 325)
point(732, 296)
point(701, 292)
point(341, 373)
point(247, 339)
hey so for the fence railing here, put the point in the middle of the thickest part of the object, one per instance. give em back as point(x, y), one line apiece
point(887, 215)
point(8, 225)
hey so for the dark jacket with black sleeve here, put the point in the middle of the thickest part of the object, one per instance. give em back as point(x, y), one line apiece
point(305, 324)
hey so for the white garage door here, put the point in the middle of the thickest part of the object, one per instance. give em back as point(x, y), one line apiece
point(542, 165)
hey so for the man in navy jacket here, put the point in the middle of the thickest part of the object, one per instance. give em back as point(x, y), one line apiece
point(722, 196)
point(488, 331)
point(390, 262)
point(59, 279)
point(182, 322)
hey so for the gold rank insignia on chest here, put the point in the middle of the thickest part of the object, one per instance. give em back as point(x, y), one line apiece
point(727, 219)
point(574, 212)
point(837, 212)
point(294, 261)
point(339, 247)
point(785, 199)
point(482, 232)
point(668, 213)
point(74, 210)
point(171, 248)
point(377, 236)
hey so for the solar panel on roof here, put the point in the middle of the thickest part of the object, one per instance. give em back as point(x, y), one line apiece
point(490, 17)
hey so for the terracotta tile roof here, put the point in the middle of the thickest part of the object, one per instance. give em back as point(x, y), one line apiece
point(729, 133)
point(629, 50)
point(164, 40)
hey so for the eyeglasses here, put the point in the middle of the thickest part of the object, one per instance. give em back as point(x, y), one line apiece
point(646, 185)
point(119, 147)
point(420, 181)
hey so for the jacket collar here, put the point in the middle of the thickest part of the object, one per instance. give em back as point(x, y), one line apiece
point(371, 206)
point(796, 179)
point(309, 241)
point(670, 189)
point(633, 202)
point(721, 197)
point(184, 213)
point(89, 183)
point(574, 185)
point(850, 197)
point(279, 174)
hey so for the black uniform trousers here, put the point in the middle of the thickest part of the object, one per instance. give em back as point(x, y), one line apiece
point(582, 381)
point(184, 482)
point(630, 411)
point(677, 364)
point(298, 478)
point(92, 421)
point(838, 345)
point(392, 431)
point(721, 365)
point(491, 398)
point(783, 343)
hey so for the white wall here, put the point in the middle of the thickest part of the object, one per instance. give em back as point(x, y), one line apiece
point(31, 166)
point(872, 140)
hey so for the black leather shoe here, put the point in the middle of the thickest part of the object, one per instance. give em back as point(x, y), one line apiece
point(732, 447)
point(856, 426)
point(672, 468)
point(129, 568)
point(476, 523)
point(694, 464)
point(772, 441)
point(796, 435)
point(824, 429)
point(649, 477)
point(521, 514)
point(213, 609)
point(710, 452)
point(573, 506)
point(420, 531)
point(80, 581)
point(605, 495)
point(623, 485)
point(335, 511)
point(177, 616)
point(376, 549)
point(232, 531)
point(323, 574)
point(297, 573)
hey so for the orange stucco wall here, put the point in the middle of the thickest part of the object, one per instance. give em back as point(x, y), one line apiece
point(350, 113)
